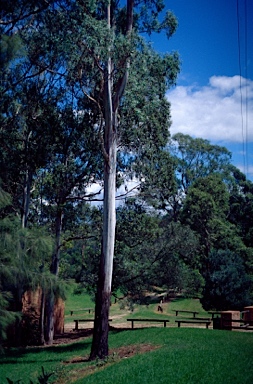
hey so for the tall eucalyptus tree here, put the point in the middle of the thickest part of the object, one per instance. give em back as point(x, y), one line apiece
point(121, 81)
point(123, 25)
point(92, 51)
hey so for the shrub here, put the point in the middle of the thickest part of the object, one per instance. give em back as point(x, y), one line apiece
point(227, 284)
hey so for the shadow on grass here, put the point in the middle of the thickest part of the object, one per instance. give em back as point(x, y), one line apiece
point(153, 300)
point(178, 298)
point(115, 331)
point(55, 353)
point(13, 355)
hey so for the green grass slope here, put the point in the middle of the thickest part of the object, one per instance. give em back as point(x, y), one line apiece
point(183, 356)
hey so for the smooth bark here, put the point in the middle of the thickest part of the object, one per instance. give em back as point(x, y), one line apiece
point(99, 347)
point(101, 327)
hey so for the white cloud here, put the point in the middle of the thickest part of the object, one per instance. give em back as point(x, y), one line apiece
point(249, 172)
point(216, 111)
point(126, 190)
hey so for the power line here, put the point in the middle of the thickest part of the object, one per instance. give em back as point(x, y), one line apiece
point(246, 88)
point(244, 130)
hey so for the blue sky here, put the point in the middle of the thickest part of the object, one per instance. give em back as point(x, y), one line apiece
point(213, 98)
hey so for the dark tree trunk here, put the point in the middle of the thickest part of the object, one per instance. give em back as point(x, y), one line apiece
point(26, 198)
point(49, 333)
point(42, 318)
point(99, 348)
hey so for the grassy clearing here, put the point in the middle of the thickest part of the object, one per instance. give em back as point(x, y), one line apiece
point(77, 302)
point(184, 356)
point(119, 315)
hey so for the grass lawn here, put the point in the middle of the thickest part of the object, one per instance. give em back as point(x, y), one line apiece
point(175, 356)
point(184, 355)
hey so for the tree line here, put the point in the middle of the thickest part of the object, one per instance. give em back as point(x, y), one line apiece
point(83, 105)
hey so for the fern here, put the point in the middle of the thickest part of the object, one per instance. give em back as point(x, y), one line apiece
point(42, 379)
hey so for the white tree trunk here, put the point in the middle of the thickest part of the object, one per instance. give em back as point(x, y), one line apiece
point(109, 219)
point(99, 346)
point(109, 214)
point(100, 336)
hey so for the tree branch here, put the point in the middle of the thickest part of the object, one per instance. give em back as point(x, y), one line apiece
point(71, 238)
point(23, 17)
point(122, 82)
point(127, 192)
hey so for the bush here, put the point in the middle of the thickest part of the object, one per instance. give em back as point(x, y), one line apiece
point(227, 284)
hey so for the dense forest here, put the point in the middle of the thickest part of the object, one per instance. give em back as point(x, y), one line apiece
point(184, 213)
